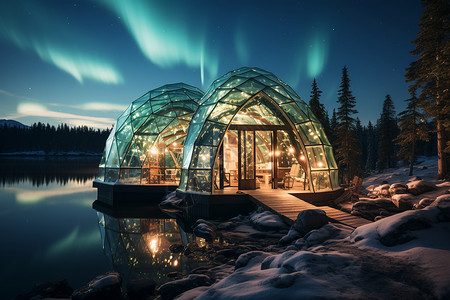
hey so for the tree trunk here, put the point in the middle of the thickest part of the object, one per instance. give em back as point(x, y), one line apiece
point(442, 161)
point(411, 159)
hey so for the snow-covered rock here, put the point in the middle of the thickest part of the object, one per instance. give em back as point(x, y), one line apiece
point(403, 201)
point(267, 221)
point(328, 232)
point(372, 208)
point(108, 286)
point(205, 230)
point(306, 221)
point(418, 187)
point(398, 188)
point(382, 190)
point(443, 203)
point(423, 203)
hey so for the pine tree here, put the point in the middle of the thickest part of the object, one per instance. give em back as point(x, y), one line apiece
point(413, 128)
point(430, 73)
point(372, 149)
point(318, 109)
point(333, 126)
point(387, 133)
point(360, 134)
point(347, 152)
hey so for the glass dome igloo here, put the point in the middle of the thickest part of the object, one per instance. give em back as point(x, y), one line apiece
point(146, 142)
point(251, 128)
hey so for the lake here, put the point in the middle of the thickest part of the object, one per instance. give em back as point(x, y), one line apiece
point(50, 230)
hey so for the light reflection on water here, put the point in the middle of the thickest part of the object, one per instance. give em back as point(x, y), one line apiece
point(50, 231)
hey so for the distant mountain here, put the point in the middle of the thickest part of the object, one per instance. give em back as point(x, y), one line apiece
point(12, 123)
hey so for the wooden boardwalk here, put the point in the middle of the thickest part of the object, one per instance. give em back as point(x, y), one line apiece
point(287, 206)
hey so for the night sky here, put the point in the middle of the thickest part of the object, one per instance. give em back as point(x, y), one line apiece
point(83, 62)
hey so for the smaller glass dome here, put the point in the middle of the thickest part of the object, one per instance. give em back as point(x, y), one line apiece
point(146, 142)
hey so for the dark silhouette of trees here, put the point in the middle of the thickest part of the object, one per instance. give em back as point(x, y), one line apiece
point(387, 133)
point(413, 128)
point(430, 73)
point(347, 152)
point(47, 138)
point(372, 149)
point(318, 109)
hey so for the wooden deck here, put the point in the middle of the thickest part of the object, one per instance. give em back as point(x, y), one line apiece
point(287, 206)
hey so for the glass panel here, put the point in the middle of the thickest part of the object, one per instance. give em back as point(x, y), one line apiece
point(101, 174)
point(203, 157)
point(111, 174)
point(216, 96)
point(247, 155)
point(334, 179)
point(330, 157)
point(294, 113)
point(320, 180)
point(223, 113)
point(130, 175)
point(251, 87)
point(266, 81)
point(201, 114)
point(278, 98)
point(235, 97)
point(138, 103)
point(316, 157)
point(183, 180)
point(149, 126)
point(187, 154)
point(281, 90)
point(230, 157)
point(233, 82)
point(308, 133)
point(199, 180)
point(321, 133)
point(211, 134)
point(113, 158)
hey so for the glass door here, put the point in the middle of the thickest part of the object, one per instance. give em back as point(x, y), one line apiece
point(247, 170)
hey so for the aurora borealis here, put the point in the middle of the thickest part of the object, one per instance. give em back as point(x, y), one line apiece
point(82, 62)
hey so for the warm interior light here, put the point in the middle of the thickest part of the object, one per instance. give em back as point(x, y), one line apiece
point(154, 151)
point(291, 150)
point(175, 263)
point(277, 153)
point(320, 164)
point(302, 157)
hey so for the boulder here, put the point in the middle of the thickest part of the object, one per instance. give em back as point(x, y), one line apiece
point(415, 178)
point(104, 287)
point(140, 288)
point(403, 201)
point(382, 190)
point(327, 232)
point(370, 209)
point(310, 219)
point(443, 203)
point(420, 186)
point(245, 258)
point(423, 203)
point(398, 188)
point(402, 234)
point(174, 288)
point(205, 231)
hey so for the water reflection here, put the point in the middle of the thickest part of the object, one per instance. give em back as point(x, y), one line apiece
point(139, 247)
point(42, 171)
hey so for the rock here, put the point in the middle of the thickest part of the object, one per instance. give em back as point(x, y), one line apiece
point(245, 258)
point(370, 209)
point(310, 219)
point(172, 289)
point(424, 203)
point(205, 231)
point(59, 289)
point(382, 190)
point(443, 203)
point(176, 248)
point(108, 286)
point(327, 232)
point(403, 201)
point(398, 188)
point(291, 236)
point(420, 186)
point(140, 288)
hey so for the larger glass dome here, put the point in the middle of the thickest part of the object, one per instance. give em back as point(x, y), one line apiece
point(146, 142)
point(251, 127)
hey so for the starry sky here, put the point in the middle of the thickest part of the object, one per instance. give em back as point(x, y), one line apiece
point(83, 62)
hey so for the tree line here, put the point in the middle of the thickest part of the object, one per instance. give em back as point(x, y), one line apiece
point(47, 138)
point(423, 128)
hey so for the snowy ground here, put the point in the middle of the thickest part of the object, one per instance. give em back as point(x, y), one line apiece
point(403, 256)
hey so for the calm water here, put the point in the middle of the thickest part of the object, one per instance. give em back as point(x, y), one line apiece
point(50, 231)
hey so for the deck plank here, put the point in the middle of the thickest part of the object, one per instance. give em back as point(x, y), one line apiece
point(288, 207)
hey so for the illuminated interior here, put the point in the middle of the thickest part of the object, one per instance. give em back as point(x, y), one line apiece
point(252, 130)
point(146, 144)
